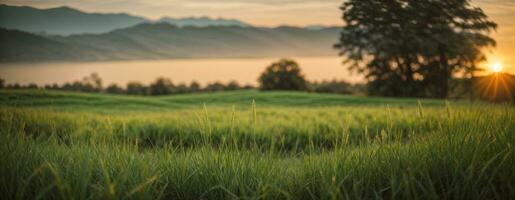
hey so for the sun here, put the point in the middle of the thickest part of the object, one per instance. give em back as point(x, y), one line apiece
point(497, 67)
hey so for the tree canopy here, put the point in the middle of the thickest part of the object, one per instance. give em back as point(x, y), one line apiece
point(162, 86)
point(284, 74)
point(413, 47)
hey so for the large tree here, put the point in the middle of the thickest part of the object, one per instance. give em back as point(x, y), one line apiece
point(413, 47)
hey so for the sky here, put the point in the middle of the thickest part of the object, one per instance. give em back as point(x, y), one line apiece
point(281, 12)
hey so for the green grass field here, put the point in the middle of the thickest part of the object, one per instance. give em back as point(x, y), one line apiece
point(252, 145)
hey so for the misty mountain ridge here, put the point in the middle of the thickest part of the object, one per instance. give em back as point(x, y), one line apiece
point(66, 34)
point(67, 21)
point(202, 21)
point(62, 20)
point(166, 41)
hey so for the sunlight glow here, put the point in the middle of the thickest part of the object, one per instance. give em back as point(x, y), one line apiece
point(497, 67)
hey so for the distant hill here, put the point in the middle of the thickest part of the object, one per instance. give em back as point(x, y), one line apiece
point(202, 22)
point(22, 46)
point(62, 20)
point(68, 21)
point(316, 27)
point(164, 41)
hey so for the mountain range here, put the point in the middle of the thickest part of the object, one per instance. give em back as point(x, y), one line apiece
point(202, 22)
point(62, 20)
point(67, 21)
point(126, 37)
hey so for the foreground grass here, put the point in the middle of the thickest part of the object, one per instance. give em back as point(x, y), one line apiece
point(57, 145)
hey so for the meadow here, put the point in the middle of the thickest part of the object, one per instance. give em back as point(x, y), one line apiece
point(252, 145)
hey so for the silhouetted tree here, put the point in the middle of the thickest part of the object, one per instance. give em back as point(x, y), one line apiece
point(2, 83)
point(54, 86)
point(66, 86)
point(162, 86)
point(194, 86)
point(215, 87)
point(233, 85)
point(114, 89)
point(13, 86)
point(182, 89)
point(136, 88)
point(91, 83)
point(248, 87)
point(32, 86)
point(283, 75)
point(413, 47)
point(79, 86)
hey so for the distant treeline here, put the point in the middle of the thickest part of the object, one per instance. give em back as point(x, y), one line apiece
point(164, 86)
point(285, 74)
point(161, 86)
